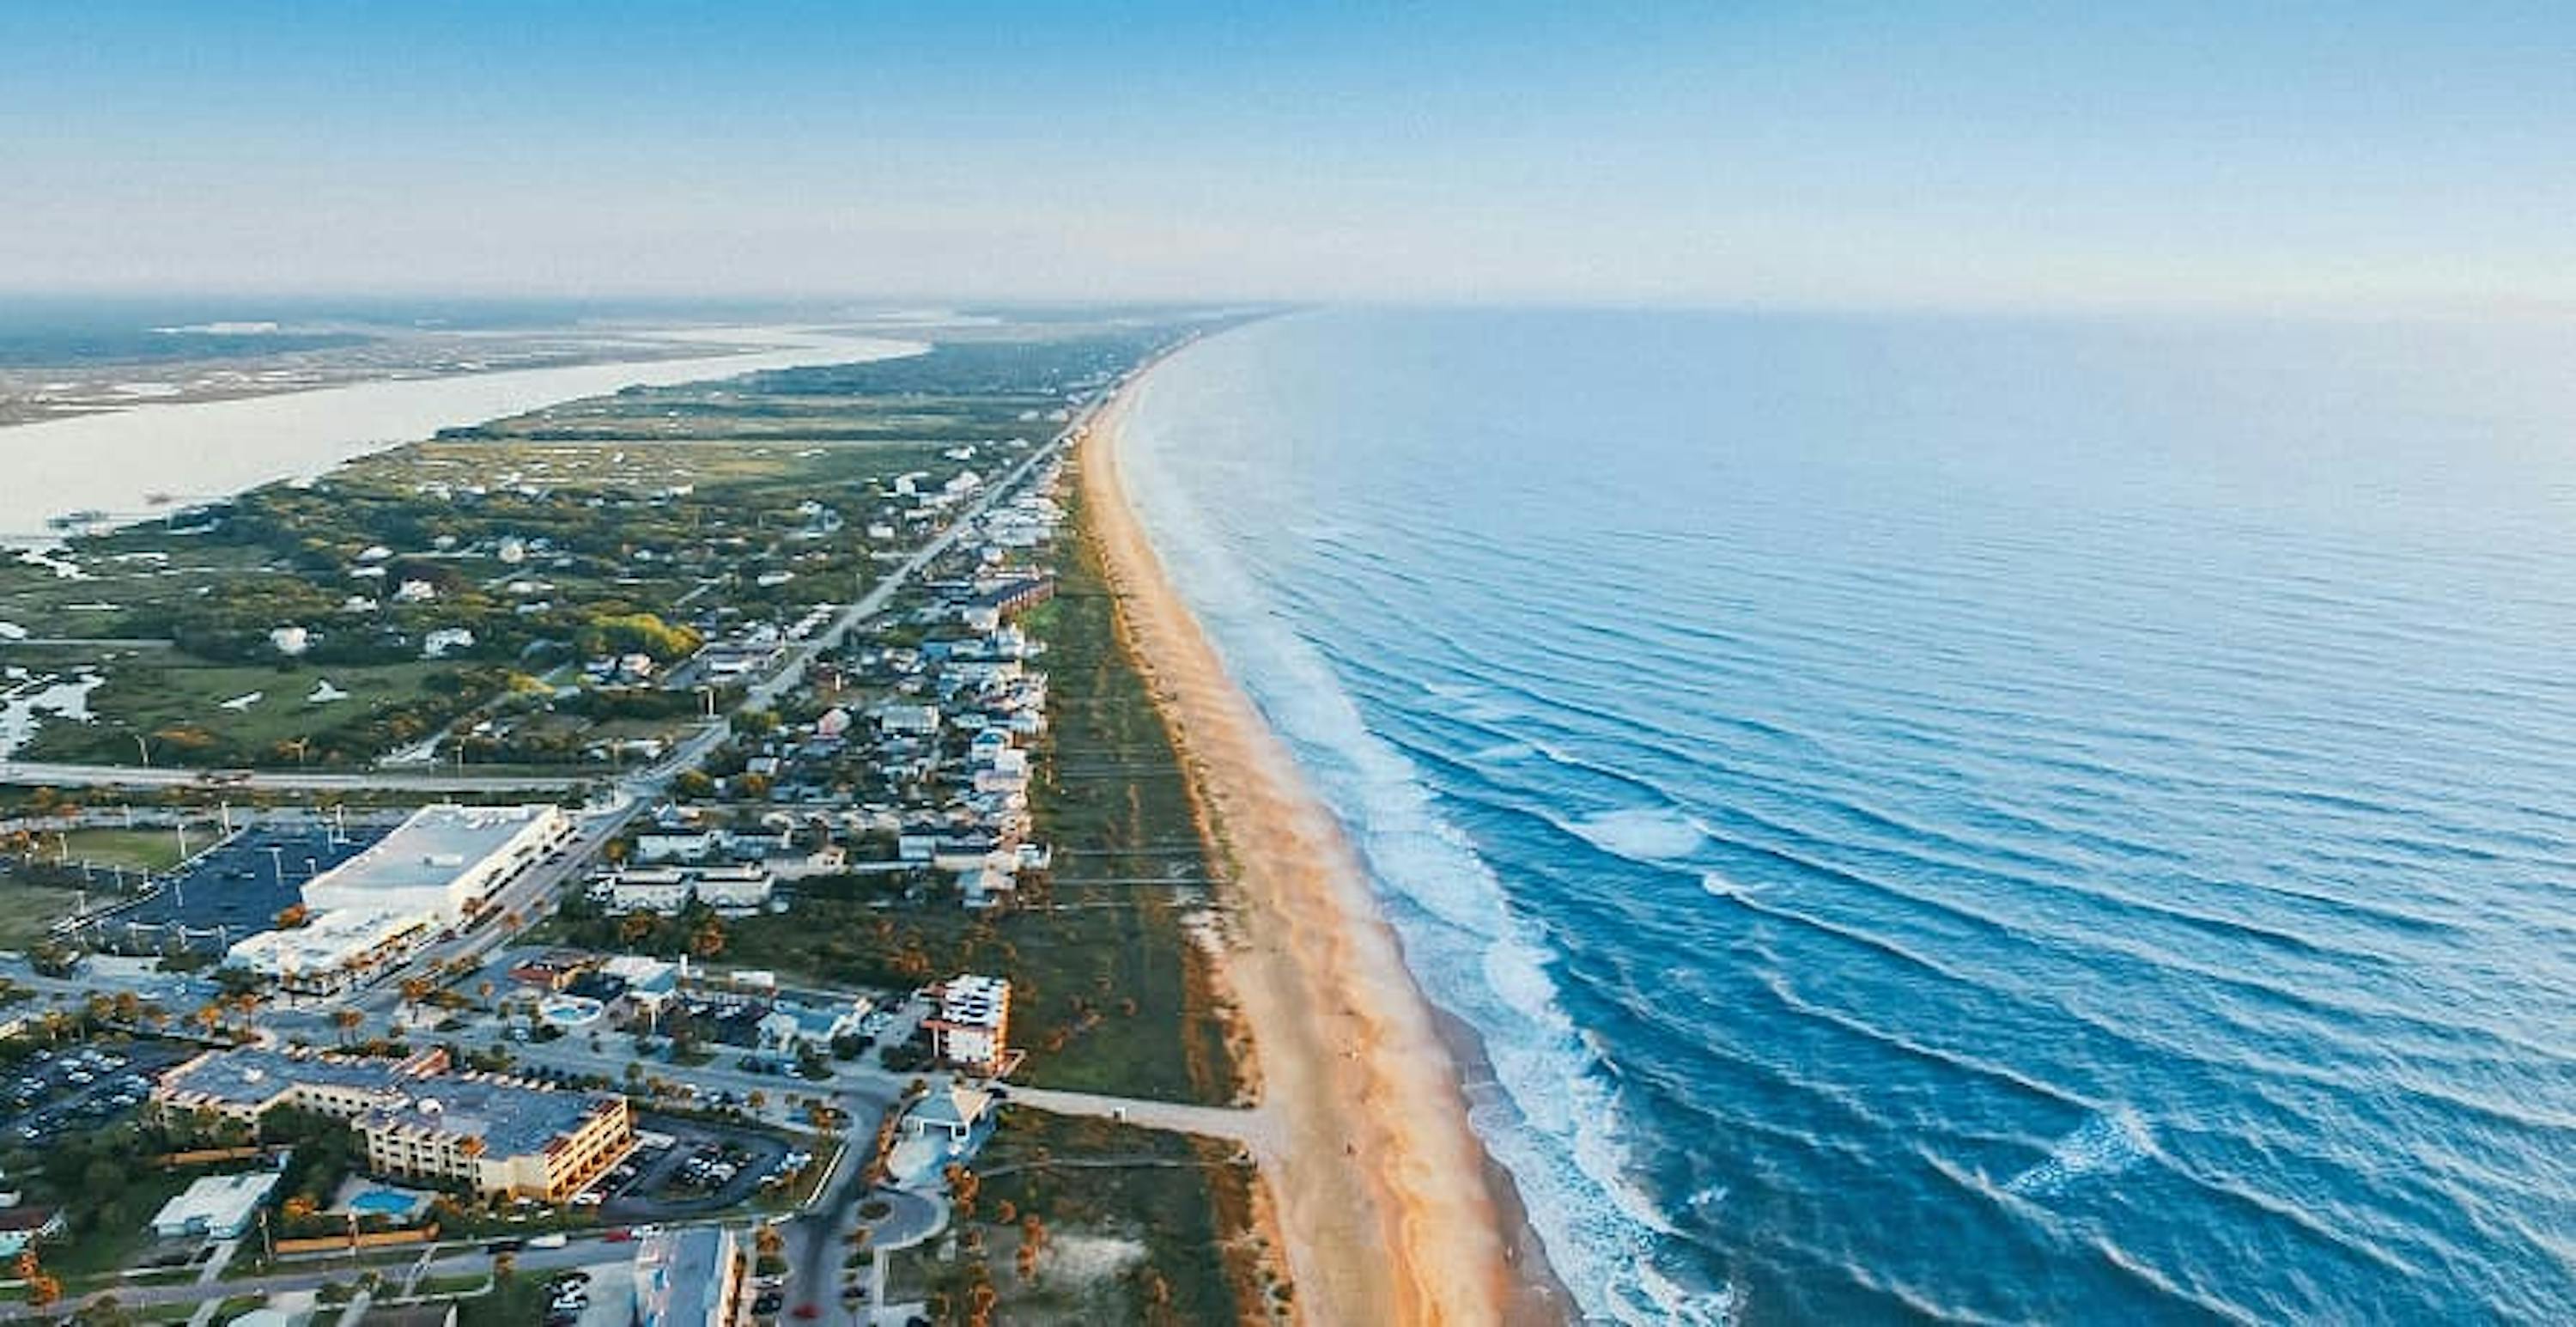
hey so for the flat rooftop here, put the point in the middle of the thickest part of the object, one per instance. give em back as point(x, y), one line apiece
point(218, 1200)
point(253, 1074)
point(511, 1118)
point(428, 850)
point(680, 1276)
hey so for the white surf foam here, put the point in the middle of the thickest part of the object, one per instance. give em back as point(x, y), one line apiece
point(1642, 834)
point(2107, 1144)
point(1718, 886)
point(1555, 1124)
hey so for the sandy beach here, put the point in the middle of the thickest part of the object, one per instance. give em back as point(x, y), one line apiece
point(1386, 1202)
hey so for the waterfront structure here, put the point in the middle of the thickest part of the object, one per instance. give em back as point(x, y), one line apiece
point(972, 1027)
point(952, 1112)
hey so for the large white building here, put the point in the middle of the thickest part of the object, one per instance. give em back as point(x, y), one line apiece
point(370, 911)
point(441, 862)
point(973, 1024)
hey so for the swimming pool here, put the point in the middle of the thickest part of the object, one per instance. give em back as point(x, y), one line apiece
point(384, 1202)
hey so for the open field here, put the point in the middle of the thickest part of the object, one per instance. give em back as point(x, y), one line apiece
point(26, 911)
point(1134, 1225)
point(133, 849)
point(196, 713)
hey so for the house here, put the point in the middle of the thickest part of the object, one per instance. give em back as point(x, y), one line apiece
point(215, 1206)
point(910, 720)
point(22, 1227)
point(986, 886)
point(664, 846)
point(744, 888)
point(663, 890)
point(290, 641)
point(415, 592)
point(440, 641)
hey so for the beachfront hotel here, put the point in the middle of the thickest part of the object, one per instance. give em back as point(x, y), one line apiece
point(482, 1133)
point(498, 1136)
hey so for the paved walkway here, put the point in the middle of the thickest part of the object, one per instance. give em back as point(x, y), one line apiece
point(1255, 1127)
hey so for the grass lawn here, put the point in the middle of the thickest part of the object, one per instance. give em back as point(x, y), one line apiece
point(112, 1248)
point(133, 849)
point(26, 910)
point(515, 1302)
point(171, 696)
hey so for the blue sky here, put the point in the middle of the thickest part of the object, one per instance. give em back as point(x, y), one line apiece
point(2282, 155)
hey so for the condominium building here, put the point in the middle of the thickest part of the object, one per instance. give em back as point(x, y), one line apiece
point(973, 1024)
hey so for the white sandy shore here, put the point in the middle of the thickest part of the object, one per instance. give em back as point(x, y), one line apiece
point(1383, 1197)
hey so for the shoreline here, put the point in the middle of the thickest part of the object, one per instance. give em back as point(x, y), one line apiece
point(1389, 1207)
point(116, 462)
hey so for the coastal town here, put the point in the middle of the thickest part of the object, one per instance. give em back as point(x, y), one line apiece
point(702, 855)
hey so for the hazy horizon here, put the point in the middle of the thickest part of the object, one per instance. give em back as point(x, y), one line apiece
point(1949, 157)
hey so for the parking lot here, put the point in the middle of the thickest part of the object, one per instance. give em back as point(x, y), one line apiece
point(705, 1168)
point(234, 890)
point(56, 1091)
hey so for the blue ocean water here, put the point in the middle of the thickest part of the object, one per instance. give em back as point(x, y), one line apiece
point(1967, 819)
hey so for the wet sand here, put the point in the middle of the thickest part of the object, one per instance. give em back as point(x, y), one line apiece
point(1386, 1202)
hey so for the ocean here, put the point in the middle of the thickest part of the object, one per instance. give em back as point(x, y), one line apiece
point(1944, 818)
